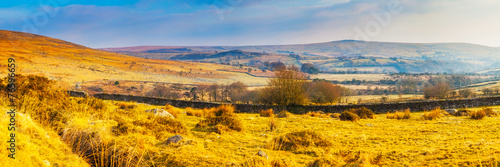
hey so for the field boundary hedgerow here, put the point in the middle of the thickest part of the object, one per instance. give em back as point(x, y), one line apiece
point(302, 109)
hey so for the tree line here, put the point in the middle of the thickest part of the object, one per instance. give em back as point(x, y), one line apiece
point(289, 87)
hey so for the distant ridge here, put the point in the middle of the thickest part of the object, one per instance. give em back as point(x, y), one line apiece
point(405, 57)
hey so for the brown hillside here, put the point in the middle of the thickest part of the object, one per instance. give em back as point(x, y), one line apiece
point(72, 63)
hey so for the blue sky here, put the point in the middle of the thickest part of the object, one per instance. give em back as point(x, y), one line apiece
point(117, 23)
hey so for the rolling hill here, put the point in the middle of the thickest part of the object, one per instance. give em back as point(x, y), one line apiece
point(73, 63)
point(406, 57)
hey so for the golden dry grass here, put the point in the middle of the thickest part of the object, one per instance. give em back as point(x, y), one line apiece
point(400, 115)
point(36, 145)
point(434, 114)
point(104, 134)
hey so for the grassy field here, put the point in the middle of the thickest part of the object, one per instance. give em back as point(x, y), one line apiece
point(378, 98)
point(348, 77)
point(448, 141)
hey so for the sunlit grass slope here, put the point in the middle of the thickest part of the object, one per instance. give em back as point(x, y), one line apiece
point(109, 133)
point(72, 63)
point(36, 145)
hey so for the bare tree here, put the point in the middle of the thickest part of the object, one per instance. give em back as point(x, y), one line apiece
point(321, 91)
point(439, 90)
point(213, 92)
point(288, 88)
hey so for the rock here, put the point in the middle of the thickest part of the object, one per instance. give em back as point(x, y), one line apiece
point(174, 139)
point(369, 125)
point(451, 111)
point(262, 154)
point(161, 112)
point(461, 113)
point(46, 163)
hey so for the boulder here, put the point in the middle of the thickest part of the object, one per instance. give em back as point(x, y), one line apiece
point(262, 154)
point(451, 111)
point(161, 112)
point(174, 139)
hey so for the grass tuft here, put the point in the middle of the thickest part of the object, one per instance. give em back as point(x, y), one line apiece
point(266, 113)
point(193, 112)
point(172, 110)
point(434, 114)
point(224, 119)
point(348, 116)
point(283, 114)
point(272, 123)
point(335, 115)
point(224, 110)
point(363, 113)
point(489, 112)
point(478, 115)
point(400, 115)
point(295, 141)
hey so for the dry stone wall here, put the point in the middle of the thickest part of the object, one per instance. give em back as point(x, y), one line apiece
point(298, 109)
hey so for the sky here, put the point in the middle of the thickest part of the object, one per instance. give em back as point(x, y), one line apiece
point(120, 23)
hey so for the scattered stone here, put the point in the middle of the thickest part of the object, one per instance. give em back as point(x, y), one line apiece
point(262, 154)
point(46, 163)
point(161, 112)
point(451, 111)
point(174, 139)
point(369, 125)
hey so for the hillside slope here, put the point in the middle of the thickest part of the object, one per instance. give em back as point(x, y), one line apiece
point(443, 57)
point(72, 63)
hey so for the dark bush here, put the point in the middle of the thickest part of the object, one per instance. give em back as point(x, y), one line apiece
point(266, 113)
point(348, 116)
point(363, 113)
point(478, 115)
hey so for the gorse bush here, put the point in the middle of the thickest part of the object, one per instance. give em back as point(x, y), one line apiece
point(400, 115)
point(363, 113)
point(434, 114)
point(194, 112)
point(47, 103)
point(489, 112)
point(348, 116)
point(224, 110)
point(101, 136)
point(478, 115)
point(266, 113)
point(223, 119)
point(172, 110)
point(272, 123)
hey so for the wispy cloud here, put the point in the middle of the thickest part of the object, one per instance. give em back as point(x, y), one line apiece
point(198, 22)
